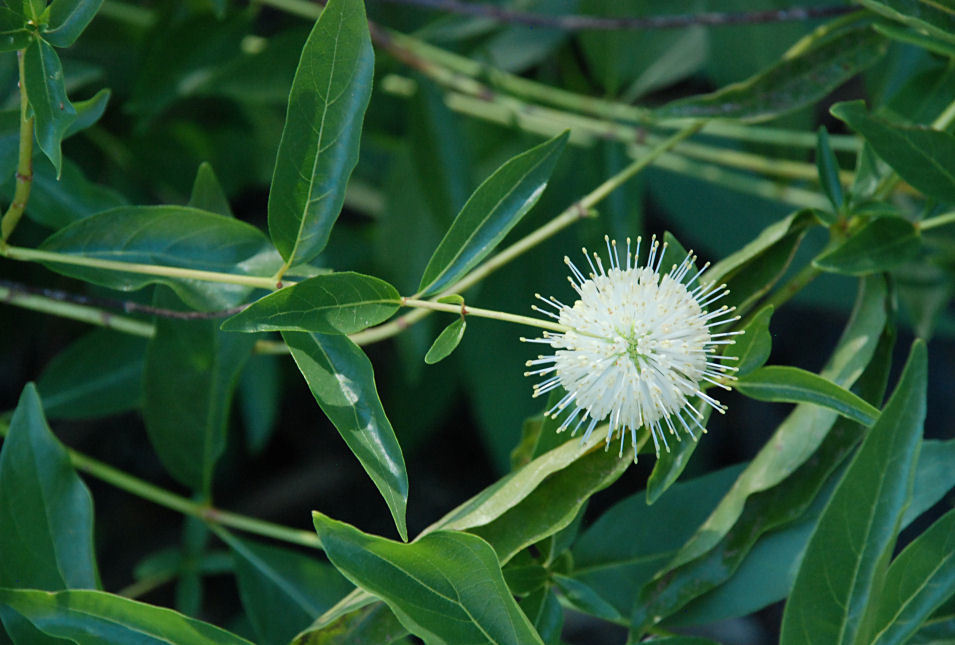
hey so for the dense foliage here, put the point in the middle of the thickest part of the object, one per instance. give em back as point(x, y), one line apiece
point(240, 233)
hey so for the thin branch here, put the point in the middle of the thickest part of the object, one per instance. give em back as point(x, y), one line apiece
point(126, 306)
point(598, 23)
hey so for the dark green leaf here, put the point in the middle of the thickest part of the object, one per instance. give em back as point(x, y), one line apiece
point(68, 19)
point(755, 344)
point(260, 391)
point(936, 19)
point(554, 503)
point(190, 374)
point(446, 342)
point(798, 80)
point(370, 624)
point(922, 156)
point(175, 236)
point(544, 611)
point(332, 303)
point(98, 618)
point(282, 591)
point(671, 462)
point(13, 34)
point(319, 146)
point(341, 379)
point(850, 547)
point(782, 383)
point(828, 169)
point(445, 587)
point(52, 111)
point(920, 579)
point(56, 203)
point(98, 375)
point(46, 512)
point(804, 429)
point(207, 194)
point(524, 574)
point(881, 244)
point(490, 213)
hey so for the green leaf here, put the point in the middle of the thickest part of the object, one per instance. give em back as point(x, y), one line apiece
point(370, 624)
point(68, 19)
point(46, 512)
point(13, 33)
point(98, 375)
point(207, 194)
point(828, 168)
point(57, 203)
point(922, 156)
point(190, 374)
point(319, 145)
point(755, 344)
point(805, 428)
point(494, 208)
point(630, 542)
point(282, 591)
point(554, 503)
point(801, 78)
point(920, 579)
point(52, 111)
point(175, 236)
point(341, 379)
point(787, 384)
point(332, 303)
point(841, 570)
point(260, 392)
point(445, 587)
point(543, 609)
point(936, 19)
point(670, 463)
point(881, 244)
point(99, 618)
point(446, 342)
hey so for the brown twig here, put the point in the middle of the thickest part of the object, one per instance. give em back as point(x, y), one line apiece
point(126, 306)
point(598, 23)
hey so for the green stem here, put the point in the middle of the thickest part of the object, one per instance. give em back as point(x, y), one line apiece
point(34, 255)
point(483, 313)
point(21, 193)
point(172, 501)
point(938, 220)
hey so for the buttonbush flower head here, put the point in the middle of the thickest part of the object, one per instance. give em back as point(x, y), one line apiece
point(639, 346)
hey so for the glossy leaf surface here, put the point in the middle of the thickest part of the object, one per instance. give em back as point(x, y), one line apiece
point(494, 208)
point(331, 303)
point(46, 512)
point(53, 113)
point(445, 587)
point(319, 145)
point(68, 19)
point(446, 342)
point(342, 381)
point(880, 245)
point(846, 556)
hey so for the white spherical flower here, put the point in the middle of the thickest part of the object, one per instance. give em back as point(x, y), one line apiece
point(638, 346)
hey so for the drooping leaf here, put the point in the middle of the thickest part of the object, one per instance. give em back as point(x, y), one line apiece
point(282, 591)
point(922, 156)
point(99, 618)
point(800, 79)
point(494, 208)
point(342, 381)
point(207, 194)
point(920, 579)
point(98, 375)
point(319, 145)
point(882, 244)
point(331, 303)
point(68, 19)
point(753, 347)
point(842, 569)
point(190, 374)
point(174, 236)
point(794, 385)
point(445, 587)
point(446, 342)
point(46, 512)
point(52, 111)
